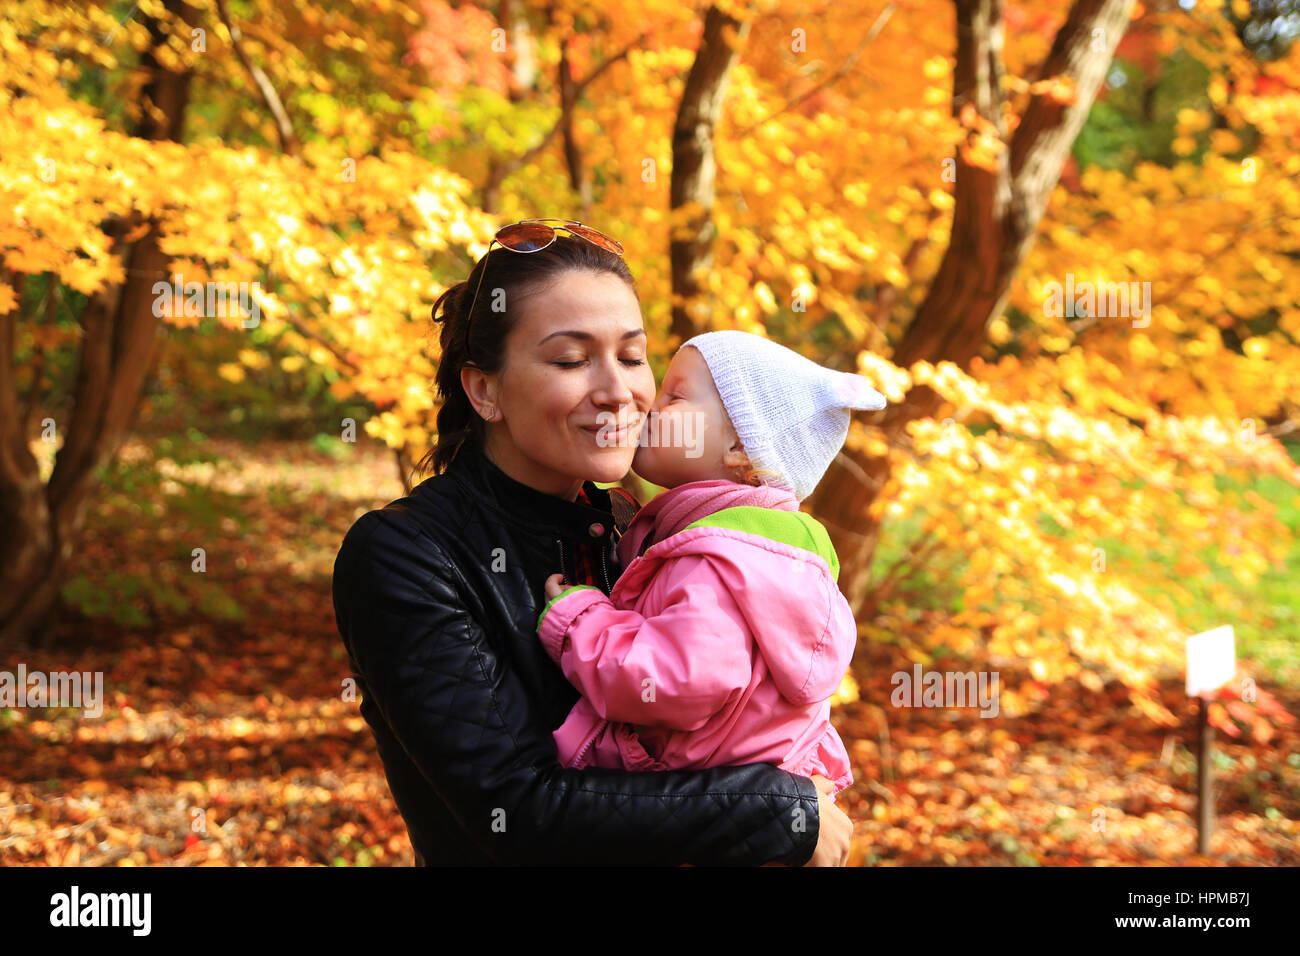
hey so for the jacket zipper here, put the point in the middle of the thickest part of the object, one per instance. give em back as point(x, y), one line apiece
point(604, 571)
point(579, 759)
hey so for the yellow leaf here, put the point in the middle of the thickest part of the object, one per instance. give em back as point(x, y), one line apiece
point(253, 358)
point(1256, 346)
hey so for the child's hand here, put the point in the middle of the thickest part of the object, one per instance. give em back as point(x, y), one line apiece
point(554, 585)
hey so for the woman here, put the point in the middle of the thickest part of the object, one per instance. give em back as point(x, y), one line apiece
point(437, 595)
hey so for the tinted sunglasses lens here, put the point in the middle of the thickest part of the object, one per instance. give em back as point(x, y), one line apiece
point(591, 235)
point(526, 237)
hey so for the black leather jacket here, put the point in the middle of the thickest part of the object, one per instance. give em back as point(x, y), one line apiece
point(437, 597)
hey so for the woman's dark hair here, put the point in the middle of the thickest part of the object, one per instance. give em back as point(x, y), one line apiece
point(512, 276)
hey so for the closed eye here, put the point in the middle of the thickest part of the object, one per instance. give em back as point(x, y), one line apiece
point(632, 363)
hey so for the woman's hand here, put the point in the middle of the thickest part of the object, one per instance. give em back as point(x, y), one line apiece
point(835, 830)
point(554, 585)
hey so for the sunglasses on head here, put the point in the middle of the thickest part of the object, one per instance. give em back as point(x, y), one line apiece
point(534, 235)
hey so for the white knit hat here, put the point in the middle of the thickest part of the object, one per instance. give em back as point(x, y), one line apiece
point(791, 413)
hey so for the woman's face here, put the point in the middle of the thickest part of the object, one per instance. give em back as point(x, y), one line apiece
point(575, 361)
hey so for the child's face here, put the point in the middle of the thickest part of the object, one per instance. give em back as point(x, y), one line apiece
point(688, 436)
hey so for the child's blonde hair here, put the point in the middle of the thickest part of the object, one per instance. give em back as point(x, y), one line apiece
point(744, 471)
point(748, 474)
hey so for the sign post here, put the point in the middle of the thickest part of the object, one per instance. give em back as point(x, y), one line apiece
point(1211, 663)
point(1204, 778)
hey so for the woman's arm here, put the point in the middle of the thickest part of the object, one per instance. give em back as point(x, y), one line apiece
point(468, 724)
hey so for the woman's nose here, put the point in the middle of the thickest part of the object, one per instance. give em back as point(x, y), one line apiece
point(614, 387)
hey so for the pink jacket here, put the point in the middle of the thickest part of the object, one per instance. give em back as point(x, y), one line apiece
point(720, 645)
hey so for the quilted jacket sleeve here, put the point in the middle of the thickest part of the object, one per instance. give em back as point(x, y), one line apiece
point(469, 726)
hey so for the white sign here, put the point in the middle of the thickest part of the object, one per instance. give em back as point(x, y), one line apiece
point(1211, 661)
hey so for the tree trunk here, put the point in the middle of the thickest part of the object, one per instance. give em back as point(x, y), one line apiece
point(513, 17)
point(996, 213)
point(120, 330)
point(578, 178)
point(24, 515)
point(694, 166)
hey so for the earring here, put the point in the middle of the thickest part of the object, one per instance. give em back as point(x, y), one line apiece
point(489, 414)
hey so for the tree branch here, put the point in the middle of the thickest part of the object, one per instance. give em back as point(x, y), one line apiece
point(887, 292)
point(922, 549)
point(499, 172)
point(271, 99)
point(38, 367)
point(1081, 53)
point(881, 19)
point(15, 458)
point(312, 336)
point(572, 152)
point(620, 55)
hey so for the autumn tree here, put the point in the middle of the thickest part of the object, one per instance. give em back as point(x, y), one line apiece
point(119, 327)
point(109, 220)
point(901, 189)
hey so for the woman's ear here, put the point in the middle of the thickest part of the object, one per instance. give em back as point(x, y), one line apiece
point(481, 388)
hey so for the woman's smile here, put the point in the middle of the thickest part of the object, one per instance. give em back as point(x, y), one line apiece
point(606, 434)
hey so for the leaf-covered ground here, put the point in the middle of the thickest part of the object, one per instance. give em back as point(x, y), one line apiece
point(1084, 780)
point(225, 739)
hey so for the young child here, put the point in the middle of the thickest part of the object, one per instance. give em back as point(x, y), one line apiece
point(725, 635)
